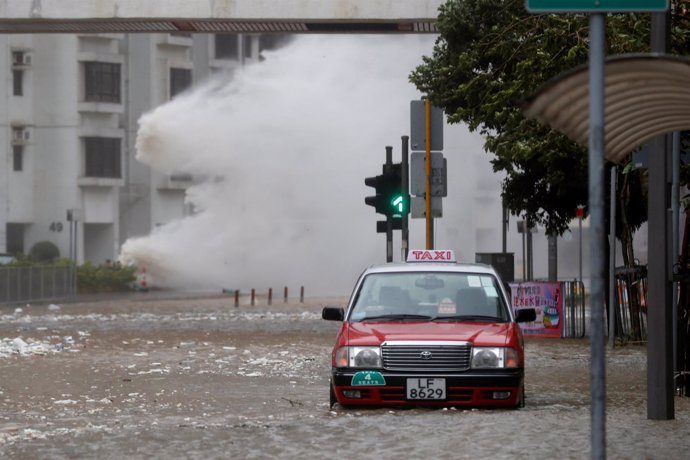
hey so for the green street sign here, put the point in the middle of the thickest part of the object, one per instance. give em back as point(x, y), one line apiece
point(596, 6)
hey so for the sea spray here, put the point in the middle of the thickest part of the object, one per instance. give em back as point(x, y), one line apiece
point(282, 149)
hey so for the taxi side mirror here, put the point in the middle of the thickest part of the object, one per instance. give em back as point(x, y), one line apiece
point(526, 315)
point(333, 313)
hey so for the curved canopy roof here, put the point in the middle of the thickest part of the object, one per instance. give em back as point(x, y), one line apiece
point(646, 95)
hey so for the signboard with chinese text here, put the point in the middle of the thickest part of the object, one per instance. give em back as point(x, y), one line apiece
point(547, 300)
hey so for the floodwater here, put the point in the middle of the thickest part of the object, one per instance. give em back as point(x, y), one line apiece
point(146, 377)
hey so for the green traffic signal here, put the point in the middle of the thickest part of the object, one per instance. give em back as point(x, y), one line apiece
point(389, 199)
point(398, 204)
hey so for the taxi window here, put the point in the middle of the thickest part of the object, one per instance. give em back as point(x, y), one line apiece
point(428, 294)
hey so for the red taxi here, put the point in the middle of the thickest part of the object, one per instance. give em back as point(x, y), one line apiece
point(428, 332)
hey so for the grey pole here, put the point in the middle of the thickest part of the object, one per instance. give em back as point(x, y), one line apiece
point(612, 258)
point(528, 229)
point(675, 206)
point(660, 403)
point(70, 286)
point(524, 260)
point(580, 235)
point(504, 231)
point(405, 166)
point(596, 199)
point(553, 257)
point(389, 219)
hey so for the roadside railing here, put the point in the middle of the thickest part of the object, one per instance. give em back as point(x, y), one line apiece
point(574, 318)
point(34, 284)
point(631, 303)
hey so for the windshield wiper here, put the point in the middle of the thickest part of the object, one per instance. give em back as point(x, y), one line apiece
point(491, 319)
point(395, 317)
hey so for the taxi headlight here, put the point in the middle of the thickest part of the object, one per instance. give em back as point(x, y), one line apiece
point(369, 357)
point(494, 357)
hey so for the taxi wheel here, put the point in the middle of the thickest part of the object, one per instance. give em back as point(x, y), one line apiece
point(333, 398)
point(521, 404)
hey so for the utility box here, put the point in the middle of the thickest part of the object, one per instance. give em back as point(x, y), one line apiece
point(503, 263)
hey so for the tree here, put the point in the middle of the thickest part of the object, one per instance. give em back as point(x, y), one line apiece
point(490, 56)
point(44, 251)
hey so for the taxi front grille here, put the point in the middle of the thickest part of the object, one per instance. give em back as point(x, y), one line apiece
point(432, 357)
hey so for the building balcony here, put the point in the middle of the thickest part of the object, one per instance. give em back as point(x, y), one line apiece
point(101, 107)
point(84, 181)
point(178, 39)
point(177, 181)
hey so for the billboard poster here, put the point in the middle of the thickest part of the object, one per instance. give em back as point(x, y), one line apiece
point(547, 301)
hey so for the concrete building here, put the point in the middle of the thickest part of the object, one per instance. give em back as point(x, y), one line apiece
point(68, 127)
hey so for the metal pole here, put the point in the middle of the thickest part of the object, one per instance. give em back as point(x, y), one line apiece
point(76, 257)
point(596, 199)
point(612, 258)
point(504, 224)
point(70, 293)
point(405, 230)
point(660, 391)
point(530, 271)
point(553, 257)
point(427, 189)
point(675, 206)
point(580, 232)
point(389, 218)
point(524, 261)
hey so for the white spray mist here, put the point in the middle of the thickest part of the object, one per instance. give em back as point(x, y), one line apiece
point(285, 145)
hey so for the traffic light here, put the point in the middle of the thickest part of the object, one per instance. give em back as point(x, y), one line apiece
point(389, 199)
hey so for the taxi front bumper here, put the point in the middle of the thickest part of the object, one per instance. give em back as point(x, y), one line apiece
point(488, 388)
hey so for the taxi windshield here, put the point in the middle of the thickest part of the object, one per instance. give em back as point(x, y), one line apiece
point(438, 296)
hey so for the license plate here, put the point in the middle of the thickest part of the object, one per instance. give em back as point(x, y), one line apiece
point(425, 388)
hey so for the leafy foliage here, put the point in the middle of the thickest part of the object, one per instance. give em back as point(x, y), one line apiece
point(491, 55)
point(44, 251)
point(99, 278)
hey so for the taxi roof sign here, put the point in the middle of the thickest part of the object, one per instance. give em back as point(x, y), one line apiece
point(430, 255)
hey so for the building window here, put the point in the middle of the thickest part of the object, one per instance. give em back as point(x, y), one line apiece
point(180, 80)
point(17, 157)
point(103, 158)
point(20, 58)
point(227, 46)
point(247, 45)
point(18, 82)
point(101, 82)
point(19, 134)
point(273, 41)
point(14, 241)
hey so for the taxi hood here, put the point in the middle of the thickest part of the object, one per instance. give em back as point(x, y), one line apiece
point(479, 333)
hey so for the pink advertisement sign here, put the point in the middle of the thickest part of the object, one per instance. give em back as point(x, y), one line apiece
point(547, 301)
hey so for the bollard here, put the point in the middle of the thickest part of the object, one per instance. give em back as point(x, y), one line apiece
point(285, 294)
point(301, 294)
point(270, 295)
point(237, 298)
point(252, 299)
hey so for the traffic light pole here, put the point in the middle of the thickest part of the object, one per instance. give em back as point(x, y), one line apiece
point(427, 191)
point(389, 218)
point(405, 166)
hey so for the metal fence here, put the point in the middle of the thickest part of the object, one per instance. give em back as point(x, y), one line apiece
point(35, 284)
point(574, 318)
point(631, 303)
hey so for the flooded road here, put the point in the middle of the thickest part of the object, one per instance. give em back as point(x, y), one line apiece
point(198, 378)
